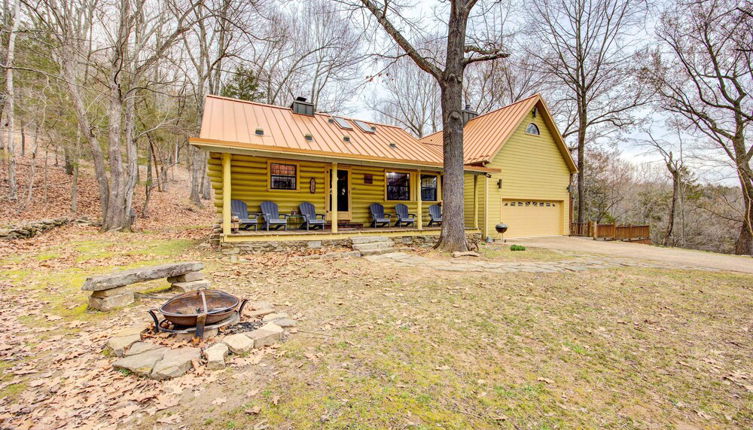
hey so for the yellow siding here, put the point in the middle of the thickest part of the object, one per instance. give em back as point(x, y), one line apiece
point(532, 168)
point(468, 200)
point(250, 178)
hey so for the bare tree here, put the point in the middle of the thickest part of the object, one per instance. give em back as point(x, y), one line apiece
point(449, 76)
point(126, 54)
point(678, 171)
point(13, 18)
point(216, 37)
point(705, 77)
point(410, 98)
point(311, 50)
point(583, 45)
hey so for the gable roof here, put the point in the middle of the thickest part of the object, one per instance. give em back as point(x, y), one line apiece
point(232, 124)
point(230, 120)
point(485, 135)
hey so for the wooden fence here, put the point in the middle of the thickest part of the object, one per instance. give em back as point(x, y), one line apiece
point(628, 233)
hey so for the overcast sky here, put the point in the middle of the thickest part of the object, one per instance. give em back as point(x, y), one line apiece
point(709, 167)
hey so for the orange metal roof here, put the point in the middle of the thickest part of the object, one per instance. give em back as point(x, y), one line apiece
point(485, 135)
point(232, 123)
point(232, 120)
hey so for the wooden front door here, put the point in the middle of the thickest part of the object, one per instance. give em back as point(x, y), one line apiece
point(343, 185)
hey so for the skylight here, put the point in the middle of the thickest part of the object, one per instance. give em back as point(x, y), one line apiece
point(363, 126)
point(342, 123)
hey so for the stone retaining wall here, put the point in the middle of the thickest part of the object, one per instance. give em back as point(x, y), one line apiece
point(31, 229)
point(234, 248)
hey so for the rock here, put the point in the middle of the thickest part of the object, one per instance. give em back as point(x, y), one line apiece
point(111, 302)
point(132, 329)
point(208, 334)
point(259, 313)
point(141, 364)
point(260, 305)
point(132, 276)
point(215, 355)
point(314, 244)
point(457, 254)
point(188, 277)
point(286, 322)
point(238, 343)
point(192, 286)
point(109, 293)
point(275, 316)
point(119, 344)
point(175, 362)
point(141, 347)
point(266, 335)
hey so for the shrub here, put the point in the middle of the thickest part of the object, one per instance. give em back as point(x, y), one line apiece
point(517, 248)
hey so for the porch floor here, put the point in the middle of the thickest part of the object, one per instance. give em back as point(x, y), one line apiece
point(342, 233)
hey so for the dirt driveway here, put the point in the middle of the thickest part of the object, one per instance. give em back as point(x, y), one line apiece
point(682, 257)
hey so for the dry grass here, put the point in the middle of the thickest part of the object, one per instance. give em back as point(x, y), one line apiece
point(380, 347)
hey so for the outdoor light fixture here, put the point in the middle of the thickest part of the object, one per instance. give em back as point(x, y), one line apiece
point(499, 184)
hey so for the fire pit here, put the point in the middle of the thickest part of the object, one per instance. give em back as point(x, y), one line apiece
point(196, 311)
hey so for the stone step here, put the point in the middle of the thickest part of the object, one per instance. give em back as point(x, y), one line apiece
point(369, 239)
point(377, 251)
point(372, 246)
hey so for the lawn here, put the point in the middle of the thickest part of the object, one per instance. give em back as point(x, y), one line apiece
point(383, 347)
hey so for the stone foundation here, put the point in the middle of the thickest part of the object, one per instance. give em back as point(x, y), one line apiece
point(255, 247)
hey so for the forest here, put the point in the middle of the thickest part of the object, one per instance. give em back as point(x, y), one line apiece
point(653, 98)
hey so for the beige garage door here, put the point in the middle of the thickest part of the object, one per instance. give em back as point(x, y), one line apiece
point(526, 218)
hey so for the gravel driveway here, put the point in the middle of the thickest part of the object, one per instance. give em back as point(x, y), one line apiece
point(678, 256)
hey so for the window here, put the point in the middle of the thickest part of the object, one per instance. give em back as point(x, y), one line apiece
point(429, 188)
point(398, 186)
point(533, 129)
point(342, 123)
point(364, 127)
point(283, 176)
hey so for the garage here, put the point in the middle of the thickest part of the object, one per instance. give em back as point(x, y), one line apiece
point(528, 217)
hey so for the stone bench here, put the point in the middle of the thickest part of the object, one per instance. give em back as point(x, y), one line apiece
point(111, 291)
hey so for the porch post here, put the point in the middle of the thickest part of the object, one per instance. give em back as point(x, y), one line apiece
point(419, 204)
point(333, 198)
point(475, 201)
point(486, 205)
point(226, 193)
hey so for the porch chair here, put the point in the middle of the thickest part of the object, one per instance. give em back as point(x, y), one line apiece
point(308, 212)
point(272, 216)
point(403, 217)
point(435, 215)
point(378, 216)
point(239, 209)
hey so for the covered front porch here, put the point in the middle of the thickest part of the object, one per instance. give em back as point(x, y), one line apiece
point(350, 186)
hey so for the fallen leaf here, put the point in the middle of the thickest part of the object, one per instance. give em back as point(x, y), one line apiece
point(253, 411)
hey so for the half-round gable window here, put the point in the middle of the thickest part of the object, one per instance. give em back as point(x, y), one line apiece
point(533, 129)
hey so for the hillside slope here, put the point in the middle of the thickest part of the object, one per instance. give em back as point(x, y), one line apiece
point(51, 198)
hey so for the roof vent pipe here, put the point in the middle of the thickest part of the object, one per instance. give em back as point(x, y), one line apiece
point(302, 107)
point(468, 114)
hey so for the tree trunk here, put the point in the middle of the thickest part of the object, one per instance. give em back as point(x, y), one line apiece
point(452, 237)
point(32, 170)
point(581, 163)
point(86, 131)
point(196, 181)
point(671, 216)
point(206, 187)
point(10, 105)
point(67, 160)
point(744, 243)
